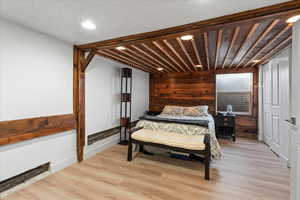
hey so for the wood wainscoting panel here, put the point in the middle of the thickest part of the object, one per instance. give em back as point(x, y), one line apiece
point(198, 88)
point(24, 129)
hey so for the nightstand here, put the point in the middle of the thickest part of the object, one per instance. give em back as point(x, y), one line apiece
point(225, 126)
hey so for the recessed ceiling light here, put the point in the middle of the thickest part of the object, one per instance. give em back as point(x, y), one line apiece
point(256, 61)
point(199, 66)
point(87, 24)
point(293, 19)
point(121, 48)
point(187, 37)
point(160, 69)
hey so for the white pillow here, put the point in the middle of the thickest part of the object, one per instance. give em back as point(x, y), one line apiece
point(203, 109)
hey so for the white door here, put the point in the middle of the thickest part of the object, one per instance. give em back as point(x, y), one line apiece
point(295, 112)
point(284, 101)
point(275, 107)
point(276, 104)
point(267, 104)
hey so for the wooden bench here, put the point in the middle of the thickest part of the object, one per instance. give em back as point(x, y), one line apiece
point(139, 136)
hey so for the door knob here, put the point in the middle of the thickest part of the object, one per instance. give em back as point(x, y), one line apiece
point(292, 120)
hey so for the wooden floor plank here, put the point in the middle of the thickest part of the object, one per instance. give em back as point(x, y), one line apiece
point(248, 170)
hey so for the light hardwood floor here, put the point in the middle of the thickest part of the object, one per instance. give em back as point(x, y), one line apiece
point(247, 171)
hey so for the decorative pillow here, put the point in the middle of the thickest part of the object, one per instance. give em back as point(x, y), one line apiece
point(195, 111)
point(191, 111)
point(173, 110)
point(203, 109)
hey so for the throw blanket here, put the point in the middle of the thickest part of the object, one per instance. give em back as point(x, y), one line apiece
point(161, 118)
point(184, 126)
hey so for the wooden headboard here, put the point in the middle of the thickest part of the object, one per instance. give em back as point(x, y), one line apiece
point(182, 89)
point(198, 88)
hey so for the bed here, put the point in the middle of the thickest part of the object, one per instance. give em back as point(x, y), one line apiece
point(188, 133)
point(184, 125)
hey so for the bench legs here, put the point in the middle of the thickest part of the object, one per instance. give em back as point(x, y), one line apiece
point(207, 164)
point(129, 154)
point(141, 149)
point(207, 155)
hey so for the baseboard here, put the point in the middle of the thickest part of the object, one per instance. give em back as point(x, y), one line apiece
point(25, 184)
point(19, 179)
point(101, 145)
point(90, 151)
point(57, 166)
point(96, 137)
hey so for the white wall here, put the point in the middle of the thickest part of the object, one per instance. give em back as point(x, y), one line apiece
point(35, 80)
point(36, 77)
point(103, 96)
point(295, 112)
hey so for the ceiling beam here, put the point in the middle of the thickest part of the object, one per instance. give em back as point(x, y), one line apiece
point(186, 53)
point(278, 51)
point(151, 57)
point(205, 35)
point(260, 38)
point(251, 32)
point(137, 59)
point(195, 48)
point(119, 60)
point(233, 40)
point(88, 59)
point(131, 60)
point(150, 61)
point(176, 53)
point(278, 48)
point(219, 41)
point(168, 55)
point(277, 36)
point(122, 59)
point(286, 8)
point(170, 67)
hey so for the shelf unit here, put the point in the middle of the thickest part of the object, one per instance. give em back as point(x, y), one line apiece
point(125, 104)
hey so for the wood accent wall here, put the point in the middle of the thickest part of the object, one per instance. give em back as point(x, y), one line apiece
point(24, 129)
point(198, 88)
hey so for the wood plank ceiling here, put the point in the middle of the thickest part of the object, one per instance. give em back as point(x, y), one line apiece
point(244, 43)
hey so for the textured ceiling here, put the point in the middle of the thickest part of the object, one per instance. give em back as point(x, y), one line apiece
point(115, 18)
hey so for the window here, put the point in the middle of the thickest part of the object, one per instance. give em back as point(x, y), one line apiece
point(235, 90)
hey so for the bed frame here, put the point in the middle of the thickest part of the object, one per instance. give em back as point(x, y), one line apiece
point(206, 152)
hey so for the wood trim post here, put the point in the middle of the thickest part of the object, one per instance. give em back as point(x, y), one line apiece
point(80, 64)
point(79, 100)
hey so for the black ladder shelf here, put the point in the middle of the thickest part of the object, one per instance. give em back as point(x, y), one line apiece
point(125, 104)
